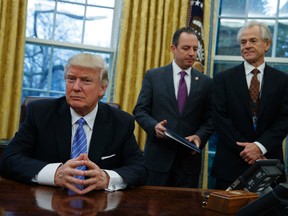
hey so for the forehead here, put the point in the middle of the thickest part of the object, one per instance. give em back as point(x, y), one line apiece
point(251, 32)
point(82, 71)
point(188, 39)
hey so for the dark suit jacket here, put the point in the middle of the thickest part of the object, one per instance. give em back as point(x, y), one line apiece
point(233, 118)
point(157, 102)
point(45, 137)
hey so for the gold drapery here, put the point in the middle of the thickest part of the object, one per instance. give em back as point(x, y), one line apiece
point(210, 10)
point(146, 33)
point(12, 45)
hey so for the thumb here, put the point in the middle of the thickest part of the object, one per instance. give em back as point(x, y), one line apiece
point(240, 143)
point(164, 122)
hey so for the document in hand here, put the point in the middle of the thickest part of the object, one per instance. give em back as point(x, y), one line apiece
point(182, 140)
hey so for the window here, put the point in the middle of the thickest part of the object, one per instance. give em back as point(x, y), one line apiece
point(230, 19)
point(58, 29)
point(231, 16)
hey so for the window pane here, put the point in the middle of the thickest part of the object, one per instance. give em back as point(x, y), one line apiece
point(73, 1)
point(60, 58)
point(36, 66)
point(69, 22)
point(280, 66)
point(107, 3)
point(282, 39)
point(98, 29)
point(228, 8)
point(40, 16)
point(260, 8)
point(220, 66)
point(226, 39)
point(283, 10)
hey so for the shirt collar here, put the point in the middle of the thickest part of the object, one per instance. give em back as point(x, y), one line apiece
point(89, 118)
point(248, 68)
point(177, 69)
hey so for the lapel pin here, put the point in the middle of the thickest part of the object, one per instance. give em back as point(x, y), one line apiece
point(196, 78)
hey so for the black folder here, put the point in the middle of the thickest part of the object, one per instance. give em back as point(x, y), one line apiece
point(182, 140)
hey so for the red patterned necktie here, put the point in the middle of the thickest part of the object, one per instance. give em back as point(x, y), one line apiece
point(182, 91)
point(254, 91)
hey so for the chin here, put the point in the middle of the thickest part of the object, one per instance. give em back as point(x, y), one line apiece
point(76, 105)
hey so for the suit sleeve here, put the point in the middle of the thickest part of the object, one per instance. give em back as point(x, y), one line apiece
point(132, 168)
point(17, 161)
point(277, 117)
point(206, 128)
point(143, 108)
point(221, 119)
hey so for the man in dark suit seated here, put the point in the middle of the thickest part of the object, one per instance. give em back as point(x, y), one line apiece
point(251, 124)
point(45, 149)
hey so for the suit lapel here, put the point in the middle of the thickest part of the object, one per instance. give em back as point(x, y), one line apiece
point(267, 82)
point(168, 80)
point(240, 85)
point(63, 131)
point(194, 85)
point(99, 134)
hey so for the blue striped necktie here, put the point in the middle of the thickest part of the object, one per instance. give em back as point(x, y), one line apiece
point(79, 143)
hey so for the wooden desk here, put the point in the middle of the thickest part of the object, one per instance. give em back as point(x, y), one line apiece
point(20, 199)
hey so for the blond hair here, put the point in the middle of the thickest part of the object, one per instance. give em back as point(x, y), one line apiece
point(90, 61)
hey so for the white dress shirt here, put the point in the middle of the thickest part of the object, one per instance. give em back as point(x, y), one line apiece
point(177, 76)
point(248, 68)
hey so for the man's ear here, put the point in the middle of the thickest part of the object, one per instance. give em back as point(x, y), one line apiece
point(173, 48)
point(267, 45)
point(102, 91)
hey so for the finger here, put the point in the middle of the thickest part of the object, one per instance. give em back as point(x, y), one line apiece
point(91, 166)
point(83, 156)
point(241, 144)
point(75, 188)
point(89, 188)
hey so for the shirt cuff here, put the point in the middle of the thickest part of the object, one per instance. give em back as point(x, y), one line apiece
point(262, 148)
point(46, 175)
point(116, 182)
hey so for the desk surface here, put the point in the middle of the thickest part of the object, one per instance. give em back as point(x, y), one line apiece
point(20, 199)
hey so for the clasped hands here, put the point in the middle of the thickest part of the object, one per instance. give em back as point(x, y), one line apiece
point(97, 179)
point(250, 153)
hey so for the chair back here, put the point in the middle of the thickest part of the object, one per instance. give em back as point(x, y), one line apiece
point(30, 99)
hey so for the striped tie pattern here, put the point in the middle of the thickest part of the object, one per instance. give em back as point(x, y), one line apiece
point(79, 143)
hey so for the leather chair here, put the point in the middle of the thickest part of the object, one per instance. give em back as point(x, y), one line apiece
point(30, 99)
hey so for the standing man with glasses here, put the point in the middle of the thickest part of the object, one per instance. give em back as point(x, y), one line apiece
point(77, 142)
point(250, 108)
point(175, 97)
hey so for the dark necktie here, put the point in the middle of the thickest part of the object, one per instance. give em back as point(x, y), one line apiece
point(79, 143)
point(254, 91)
point(182, 91)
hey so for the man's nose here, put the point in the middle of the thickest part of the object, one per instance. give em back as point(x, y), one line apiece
point(192, 51)
point(77, 85)
point(247, 44)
